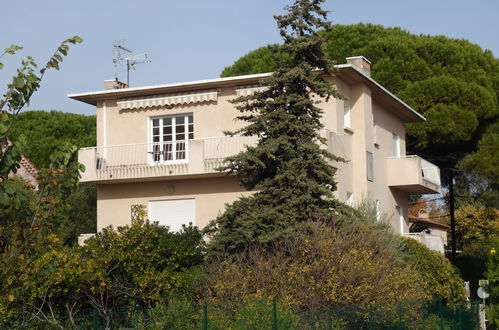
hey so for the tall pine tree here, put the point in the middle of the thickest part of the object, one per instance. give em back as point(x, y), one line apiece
point(288, 168)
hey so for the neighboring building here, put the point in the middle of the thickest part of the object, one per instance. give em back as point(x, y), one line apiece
point(431, 233)
point(27, 171)
point(159, 146)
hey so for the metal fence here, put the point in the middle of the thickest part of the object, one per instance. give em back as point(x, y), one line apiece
point(265, 314)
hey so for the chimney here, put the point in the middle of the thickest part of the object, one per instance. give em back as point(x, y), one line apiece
point(361, 63)
point(114, 84)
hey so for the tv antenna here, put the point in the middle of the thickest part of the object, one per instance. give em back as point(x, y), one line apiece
point(131, 61)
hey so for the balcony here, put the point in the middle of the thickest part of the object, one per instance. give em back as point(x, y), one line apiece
point(413, 174)
point(432, 242)
point(159, 161)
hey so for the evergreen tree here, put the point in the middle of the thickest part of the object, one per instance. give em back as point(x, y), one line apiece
point(288, 167)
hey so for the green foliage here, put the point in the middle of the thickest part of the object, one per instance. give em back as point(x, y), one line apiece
point(26, 227)
point(43, 131)
point(175, 315)
point(454, 83)
point(288, 166)
point(319, 266)
point(147, 262)
point(138, 265)
point(485, 161)
point(438, 277)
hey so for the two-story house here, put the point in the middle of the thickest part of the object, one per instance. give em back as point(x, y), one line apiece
point(159, 146)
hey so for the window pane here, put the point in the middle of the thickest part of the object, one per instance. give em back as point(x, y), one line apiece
point(370, 166)
point(167, 130)
point(191, 119)
point(167, 121)
point(346, 115)
point(396, 145)
point(180, 137)
point(180, 150)
point(167, 138)
point(155, 152)
point(155, 122)
point(167, 151)
point(155, 131)
point(180, 129)
point(155, 139)
point(191, 128)
point(179, 120)
point(191, 136)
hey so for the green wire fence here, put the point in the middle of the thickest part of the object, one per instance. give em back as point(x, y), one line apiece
point(260, 314)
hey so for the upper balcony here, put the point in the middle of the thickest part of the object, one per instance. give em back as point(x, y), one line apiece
point(158, 161)
point(413, 174)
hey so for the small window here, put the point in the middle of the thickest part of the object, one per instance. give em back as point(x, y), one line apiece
point(370, 166)
point(349, 200)
point(396, 145)
point(346, 115)
point(400, 219)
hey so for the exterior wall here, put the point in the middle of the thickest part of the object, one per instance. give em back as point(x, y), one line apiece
point(114, 201)
point(372, 126)
point(382, 142)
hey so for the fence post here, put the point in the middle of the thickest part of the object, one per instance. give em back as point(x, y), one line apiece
point(440, 315)
point(205, 316)
point(330, 319)
point(95, 324)
point(399, 312)
point(460, 312)
point(274, 314)
point(370, 317)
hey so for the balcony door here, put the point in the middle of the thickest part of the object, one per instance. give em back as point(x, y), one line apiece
point(169, 137)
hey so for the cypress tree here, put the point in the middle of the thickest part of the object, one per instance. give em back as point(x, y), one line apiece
point(288, 167)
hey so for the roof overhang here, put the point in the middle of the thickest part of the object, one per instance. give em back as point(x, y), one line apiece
point(347, 72)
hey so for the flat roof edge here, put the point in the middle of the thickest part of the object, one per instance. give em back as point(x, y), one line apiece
point(91, 97)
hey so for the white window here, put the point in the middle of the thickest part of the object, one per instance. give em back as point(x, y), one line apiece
point(169, 137)
point(370, 166)
point(346, 115)
point(396, 145)
point(173, 213)
point(400, 219)
point(349, 200)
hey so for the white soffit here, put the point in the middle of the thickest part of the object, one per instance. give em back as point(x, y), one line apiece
point(248, 90)
point(169, 99)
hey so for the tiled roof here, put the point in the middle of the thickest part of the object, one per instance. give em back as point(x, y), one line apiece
point(429, 222)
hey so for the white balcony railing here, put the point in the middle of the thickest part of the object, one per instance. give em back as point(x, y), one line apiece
point(430, 172)
point(413, 174)
point(131, 161)
point(432, 242)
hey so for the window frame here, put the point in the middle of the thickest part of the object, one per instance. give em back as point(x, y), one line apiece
point(174, 142)
point(347, 115)
point(395, 145)
point(370, 169)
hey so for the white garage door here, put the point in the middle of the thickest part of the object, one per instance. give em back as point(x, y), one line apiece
point(173, 213)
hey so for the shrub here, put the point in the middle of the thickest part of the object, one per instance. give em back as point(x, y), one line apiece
point(437, 275)
point(320, 266)
point(134, 266)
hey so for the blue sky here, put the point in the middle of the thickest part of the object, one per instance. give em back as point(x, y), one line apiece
point(195, 39)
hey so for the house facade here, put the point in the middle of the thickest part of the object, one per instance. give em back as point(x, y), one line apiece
point(158, 147)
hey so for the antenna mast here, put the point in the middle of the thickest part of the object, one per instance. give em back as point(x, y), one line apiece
point(131, 61)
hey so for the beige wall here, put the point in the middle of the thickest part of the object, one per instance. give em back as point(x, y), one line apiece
point(114, 201)
point(211, 119)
